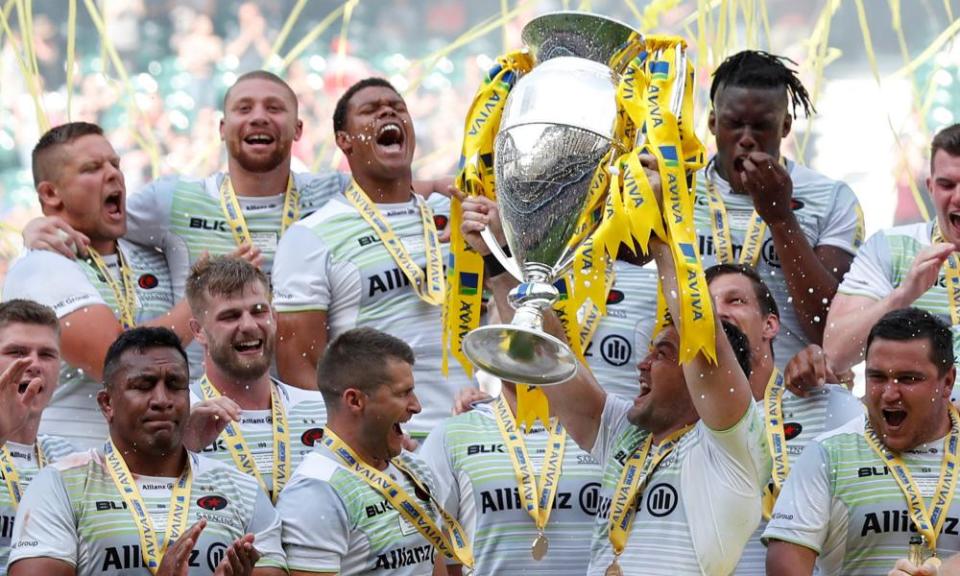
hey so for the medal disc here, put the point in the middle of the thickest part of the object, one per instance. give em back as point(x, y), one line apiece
point(539, 547)
point(613, 569)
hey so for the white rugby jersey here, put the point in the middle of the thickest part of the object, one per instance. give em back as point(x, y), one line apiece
point(333, 261)
point(842, 502)
point(306, 416)
point(827, 211)
point(477, 485)
point(882, 264)
point(182, 217)
point(623, 336)
point(335, 522)
point(804, 419)
point(25, 459)
point(74, 512)
point(698, 508)
point(69, 286)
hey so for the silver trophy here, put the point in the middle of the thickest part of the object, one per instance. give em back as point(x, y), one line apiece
point(556, 127)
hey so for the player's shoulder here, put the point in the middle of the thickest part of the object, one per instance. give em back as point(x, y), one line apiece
point(54, 448)
point(806, 180)
point(44, 262)
point(918, 231)
point(850, 432)
point(335, 207)
point(293, 396)
point(317, 467)
point(221, 474)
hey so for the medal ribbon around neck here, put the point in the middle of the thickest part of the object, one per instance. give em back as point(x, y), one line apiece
point(151, 548)
point(12, 475)
point(720, 225)
point(636, 471)
point(951, 273)
point(234, 213)
point(536, 494)
point(930, 522)
point(124, 291)
point(456, 547)
point(240, 451)
point(776, 440)
point(430, 289)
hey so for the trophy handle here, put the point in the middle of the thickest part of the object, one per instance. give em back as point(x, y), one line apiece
point(509, 264)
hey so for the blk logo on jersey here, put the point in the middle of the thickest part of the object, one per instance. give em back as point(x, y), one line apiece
point(311, 436)
point(204, 224)
point(148, 281)
point(212, 502)
point(791, 430)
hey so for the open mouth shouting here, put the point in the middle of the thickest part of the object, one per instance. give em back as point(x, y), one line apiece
point(390, 138)
point(249, 347)
point(113, 205)
point(259, 140)
point(894, 417)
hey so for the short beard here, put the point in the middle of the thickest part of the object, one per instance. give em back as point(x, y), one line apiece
point(226, 359)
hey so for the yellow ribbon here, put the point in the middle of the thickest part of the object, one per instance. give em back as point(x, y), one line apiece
point(12, 476)
point(124, 291)
point(928, 521)
point(428, 288)
point(776, 440)
point(636, 472)
point(151, 548)
point(536, 494)
point(234, 213)
point(240, 451)
point(456, 547)
point(951, 274)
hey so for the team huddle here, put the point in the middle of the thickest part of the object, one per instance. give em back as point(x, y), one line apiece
point(242, 374)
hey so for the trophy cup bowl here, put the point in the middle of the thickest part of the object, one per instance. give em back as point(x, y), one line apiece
point(556, 127)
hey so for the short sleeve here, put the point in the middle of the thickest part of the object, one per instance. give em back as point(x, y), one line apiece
point(844, 226)
point(613, 421)
point(300, 279)
point(45, 526)
point(266, 529)
point(148, 224)
point(802, 513)
point(316, 529)
point(52, 280)
point(434, 454)
point(741, 448)
point(871, 272)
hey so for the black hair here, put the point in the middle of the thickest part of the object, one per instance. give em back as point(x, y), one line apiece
point(340, 112)
point(140, 339)
point(758, 69)
point(908, 324)
point(768, 305)
point(358, 359)
point(741, 346)
point(43, 165)
point(947, 140)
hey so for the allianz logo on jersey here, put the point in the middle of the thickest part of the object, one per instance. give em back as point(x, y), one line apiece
point(387, 281)
point(508, 499)
point(660, 500)
point(405, 556)
point(768, 253)
point(128, 557)
point(876, 520)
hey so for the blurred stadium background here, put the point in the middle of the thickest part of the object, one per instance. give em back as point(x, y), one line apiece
point(883, 74)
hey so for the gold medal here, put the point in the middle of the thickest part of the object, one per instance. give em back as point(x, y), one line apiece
point(916, 553)
point(539, 548)
point(613, 569)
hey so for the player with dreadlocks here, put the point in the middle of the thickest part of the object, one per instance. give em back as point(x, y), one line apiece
point(796, 227)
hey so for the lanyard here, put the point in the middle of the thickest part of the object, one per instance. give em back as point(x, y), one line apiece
point(456, 547)
point(430, 289)
point(234, 213)
point(151, 548)
point(636, 471)
point(240, 451)
point(951, 274)
point(124, 291)
point(776, 439)
point(12, 475)
point(536, 494)
point(928, 521)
